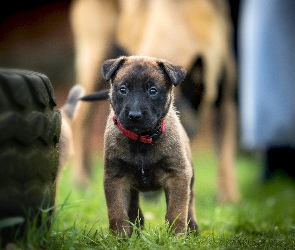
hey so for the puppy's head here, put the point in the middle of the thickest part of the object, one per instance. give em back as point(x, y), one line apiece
point(141, 90)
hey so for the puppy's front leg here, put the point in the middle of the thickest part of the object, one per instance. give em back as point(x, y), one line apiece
point(117, 193)
point(177, 199)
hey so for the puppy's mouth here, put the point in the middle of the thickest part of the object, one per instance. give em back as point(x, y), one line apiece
point(138, 128)
point(142, 126)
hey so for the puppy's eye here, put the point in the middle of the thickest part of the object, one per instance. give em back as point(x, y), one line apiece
point(123, 90)
point(153, 91)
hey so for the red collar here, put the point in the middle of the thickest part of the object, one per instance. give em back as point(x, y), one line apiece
point(143, 138)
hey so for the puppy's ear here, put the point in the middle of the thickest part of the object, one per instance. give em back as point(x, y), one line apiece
point(176, 73)
point(110, 67)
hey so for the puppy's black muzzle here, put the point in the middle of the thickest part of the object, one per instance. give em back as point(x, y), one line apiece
point(135, 116)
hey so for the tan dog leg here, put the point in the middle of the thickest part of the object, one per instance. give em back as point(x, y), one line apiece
point(93, 25)
point(227, 184)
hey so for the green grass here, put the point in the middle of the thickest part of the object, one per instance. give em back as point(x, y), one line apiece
point(264, 219)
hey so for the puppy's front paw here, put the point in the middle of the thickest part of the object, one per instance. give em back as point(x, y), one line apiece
point(121, 228)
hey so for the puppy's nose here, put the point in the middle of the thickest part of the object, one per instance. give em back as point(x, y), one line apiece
point(135, 115)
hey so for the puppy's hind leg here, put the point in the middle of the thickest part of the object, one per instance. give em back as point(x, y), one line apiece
point(135, 214)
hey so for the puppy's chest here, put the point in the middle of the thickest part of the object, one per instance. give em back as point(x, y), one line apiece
point(145, 167)
point(145, 175)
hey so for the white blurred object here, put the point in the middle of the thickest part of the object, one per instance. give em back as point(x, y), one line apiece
point(267, 73)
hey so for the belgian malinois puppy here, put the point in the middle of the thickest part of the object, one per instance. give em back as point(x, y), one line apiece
point(145, 146)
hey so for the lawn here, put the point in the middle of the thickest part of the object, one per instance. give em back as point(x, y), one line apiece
point(264, 219)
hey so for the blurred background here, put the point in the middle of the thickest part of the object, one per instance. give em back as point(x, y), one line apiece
point(36, 35)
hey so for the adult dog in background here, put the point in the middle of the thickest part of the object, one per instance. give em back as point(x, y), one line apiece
point(196, 34)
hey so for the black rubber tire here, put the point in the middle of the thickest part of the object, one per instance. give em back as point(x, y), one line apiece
point(29, 133)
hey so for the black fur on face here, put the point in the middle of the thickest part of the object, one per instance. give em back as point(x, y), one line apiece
point(141, 90)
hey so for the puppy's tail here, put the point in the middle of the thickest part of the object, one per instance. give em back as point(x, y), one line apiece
point(97, 96)
point(69, 109)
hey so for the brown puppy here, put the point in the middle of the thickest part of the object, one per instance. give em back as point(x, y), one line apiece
point(146, 147)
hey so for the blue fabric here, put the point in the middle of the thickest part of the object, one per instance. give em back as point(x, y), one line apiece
point(267, 73)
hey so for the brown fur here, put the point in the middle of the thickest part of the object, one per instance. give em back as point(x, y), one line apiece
point(179, 31)
point(132, 166)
